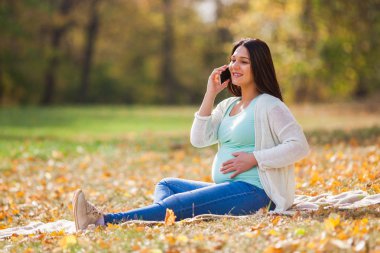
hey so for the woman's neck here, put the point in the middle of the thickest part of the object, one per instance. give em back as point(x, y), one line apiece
point(247, 94)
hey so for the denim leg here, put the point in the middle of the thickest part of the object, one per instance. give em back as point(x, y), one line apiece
point(235, 198)
point(169, 186)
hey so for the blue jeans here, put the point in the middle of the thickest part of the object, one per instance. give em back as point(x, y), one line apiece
point(188, 198)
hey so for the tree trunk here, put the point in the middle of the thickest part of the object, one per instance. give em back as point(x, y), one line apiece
point(305, 88)
point(215, 54)
point(223, 34)
point(54, 59)
point(92, 31)
point(168, 79)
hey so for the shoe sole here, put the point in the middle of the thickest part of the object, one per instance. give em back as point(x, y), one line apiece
point(75, 203)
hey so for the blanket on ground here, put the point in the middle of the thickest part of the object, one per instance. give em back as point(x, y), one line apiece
point(345, 200)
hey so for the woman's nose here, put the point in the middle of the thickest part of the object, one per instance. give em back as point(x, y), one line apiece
point(234, 65)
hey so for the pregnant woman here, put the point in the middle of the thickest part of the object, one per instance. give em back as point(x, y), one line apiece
point(259, 140)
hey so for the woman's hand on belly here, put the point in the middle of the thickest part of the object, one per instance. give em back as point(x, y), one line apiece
point(242, 162)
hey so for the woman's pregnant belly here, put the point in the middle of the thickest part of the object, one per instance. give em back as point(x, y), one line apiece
point(224, 154)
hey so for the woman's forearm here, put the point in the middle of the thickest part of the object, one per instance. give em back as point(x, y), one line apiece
point(207, 104)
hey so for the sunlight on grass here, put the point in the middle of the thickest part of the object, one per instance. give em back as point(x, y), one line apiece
point(93, 121)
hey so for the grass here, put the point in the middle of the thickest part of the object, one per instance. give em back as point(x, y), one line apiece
point(38, 130)
point(118, 154)
point(92, 121)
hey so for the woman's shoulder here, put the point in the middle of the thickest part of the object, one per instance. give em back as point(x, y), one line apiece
point(270, 101)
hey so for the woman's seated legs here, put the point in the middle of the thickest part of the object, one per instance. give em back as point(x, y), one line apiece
point(235, 198)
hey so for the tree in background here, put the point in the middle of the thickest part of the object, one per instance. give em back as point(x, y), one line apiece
point(89, 47)
point(21, 53)
point(323, 50)
point(61, 23)
point(350, 51)
point(162, 51)
point(168, 79)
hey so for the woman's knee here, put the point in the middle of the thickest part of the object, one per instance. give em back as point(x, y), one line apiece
point(167, 181)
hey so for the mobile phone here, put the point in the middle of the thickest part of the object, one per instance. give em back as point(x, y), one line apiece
point(226, 74)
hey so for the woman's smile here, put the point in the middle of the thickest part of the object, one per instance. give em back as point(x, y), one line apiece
point(237, 75)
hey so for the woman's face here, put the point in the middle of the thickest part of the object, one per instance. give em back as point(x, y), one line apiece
point(240, 67)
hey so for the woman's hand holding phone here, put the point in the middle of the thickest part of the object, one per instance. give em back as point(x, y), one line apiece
point(214, 86)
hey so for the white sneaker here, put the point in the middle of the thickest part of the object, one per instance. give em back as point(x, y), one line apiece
point(85, 213)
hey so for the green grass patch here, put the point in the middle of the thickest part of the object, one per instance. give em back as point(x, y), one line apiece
point(94, 121)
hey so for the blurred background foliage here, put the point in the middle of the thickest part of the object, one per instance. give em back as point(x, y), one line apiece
point(162, 51)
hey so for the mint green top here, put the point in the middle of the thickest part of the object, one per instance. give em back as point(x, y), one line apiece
point(236, 134)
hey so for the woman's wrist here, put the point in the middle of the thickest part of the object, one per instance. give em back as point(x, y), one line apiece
point(210, 95)
point(253, 160)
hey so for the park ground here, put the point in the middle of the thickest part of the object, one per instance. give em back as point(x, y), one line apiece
point(117, 154)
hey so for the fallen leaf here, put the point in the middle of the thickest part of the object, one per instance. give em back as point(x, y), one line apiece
point(275, 220)
point(258, 227)
point(67, 241)
point(272, 249)
point(300, 231)
point(169, 217)
point(182, 239)
point(332, 222)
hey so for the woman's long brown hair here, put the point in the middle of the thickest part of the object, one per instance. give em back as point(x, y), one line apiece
point(262, 68)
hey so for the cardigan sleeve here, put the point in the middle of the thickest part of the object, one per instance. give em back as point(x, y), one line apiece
point(205, 128)
point(292, 144)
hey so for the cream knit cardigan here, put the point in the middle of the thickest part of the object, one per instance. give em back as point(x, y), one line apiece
point(279, 143)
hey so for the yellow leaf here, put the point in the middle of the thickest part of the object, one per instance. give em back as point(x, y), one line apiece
point(170, 239)
point(57, 233)
point(207, 178)
point(272, 249)
point(107, 174)
point(342, 236)
point(67, 241)
point(20, 194)
point(182, 239)
point(315, 178)
point(311, 245)
point(300, 231)
point(112, 226)
point(198, 237)
point(103, 244)
point(332, 222)
point(360, 227)
point(169, 217)
point(135, 247)
point(273, 232)
point(2, 215)
point(140, 229)
point(275, 220)
point(364, 221)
